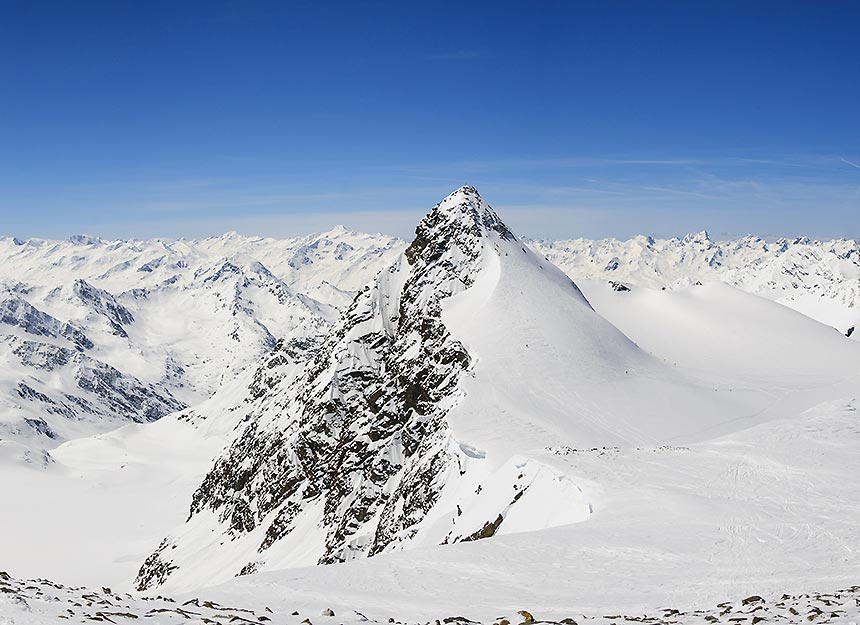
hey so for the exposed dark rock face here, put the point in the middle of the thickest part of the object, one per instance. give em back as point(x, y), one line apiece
point(124, 394)
point(156, 567)
point(105, 391)
point(41, 427)
point(43, 356)
point(359, 429)
point(20, 313)
point(488, 530)
point(103, 303)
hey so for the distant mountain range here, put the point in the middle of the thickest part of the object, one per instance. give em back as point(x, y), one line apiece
point(95, 332)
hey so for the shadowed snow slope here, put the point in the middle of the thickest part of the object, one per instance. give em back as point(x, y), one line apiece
point(720, 331)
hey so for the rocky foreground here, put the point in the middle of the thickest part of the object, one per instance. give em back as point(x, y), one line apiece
point(28, 602)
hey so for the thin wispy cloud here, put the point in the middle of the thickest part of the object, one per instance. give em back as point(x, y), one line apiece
point(618, 195)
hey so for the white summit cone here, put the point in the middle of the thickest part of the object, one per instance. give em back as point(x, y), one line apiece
point(548, 369)
point(435, 411)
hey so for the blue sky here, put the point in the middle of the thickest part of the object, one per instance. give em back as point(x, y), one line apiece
point(132, 119)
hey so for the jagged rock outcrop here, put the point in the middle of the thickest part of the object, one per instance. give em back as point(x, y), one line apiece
point(59, 384)
point(103, 303)
point(96, 390)
point(361, 430)
point(19, 313)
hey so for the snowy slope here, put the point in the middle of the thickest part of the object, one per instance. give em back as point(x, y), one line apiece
point(766, 511)
point(818, 278)
point(148, 353)
point(723, 332)
point(55, 384)
point(117, 492)
point(761, 512)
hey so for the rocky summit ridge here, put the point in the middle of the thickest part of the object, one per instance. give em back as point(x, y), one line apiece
point(350, 434)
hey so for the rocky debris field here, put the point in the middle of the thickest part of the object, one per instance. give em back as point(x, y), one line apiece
point(42, 601)
point(29, 602)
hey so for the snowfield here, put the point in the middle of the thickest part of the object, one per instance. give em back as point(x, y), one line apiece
point(818, 278)
point(242, 429)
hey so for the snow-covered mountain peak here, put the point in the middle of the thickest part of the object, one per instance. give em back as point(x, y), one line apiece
point(374, 393)
point(408, 423)
point(338, 231)
point(457, 226)
point(466, 209)
point(644, 240)
point(84, 239)
point(697, 237)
